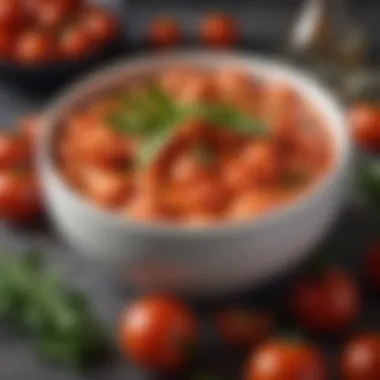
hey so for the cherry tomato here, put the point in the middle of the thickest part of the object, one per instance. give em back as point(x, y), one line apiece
point(34, 48)
point(11, 13)
point(100, 26)
point(6, 44)
point(164, 32)
point(361, 358)
point(13, 151)
point(158, 332)
point(372, 266)
point(53, 13)
point(282, 360)
point(365, 124)
point(76, 44)
point(243, 327)
point(20, 201)
point(219, 30)
point(326, 303)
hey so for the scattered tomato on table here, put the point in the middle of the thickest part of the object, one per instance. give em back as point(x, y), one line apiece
point(20, 193)
point(327, 302)
point(219, 30)
point(364, 119)
point(164, 32)
point(20, 200)
point(361, 357)
point(280, 359)
point(14, 151)
point(243, 327)
point(158, 332)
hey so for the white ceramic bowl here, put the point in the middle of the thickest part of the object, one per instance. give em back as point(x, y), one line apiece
point(188, 260)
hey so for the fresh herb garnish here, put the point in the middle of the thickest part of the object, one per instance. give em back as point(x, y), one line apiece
point(228, 117)
point(369, 180)
point(152, 114)
point(58, 319)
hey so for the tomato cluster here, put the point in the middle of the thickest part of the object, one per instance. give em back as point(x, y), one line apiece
point(365, 124)
point(20, 199)
point(35, 32)
point(215, 30)
point(160, 332)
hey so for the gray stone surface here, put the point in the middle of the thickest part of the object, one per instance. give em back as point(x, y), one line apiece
point(357, 227)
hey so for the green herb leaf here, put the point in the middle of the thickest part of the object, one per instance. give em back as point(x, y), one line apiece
point(231, 118)
point(38, 302)
point(369, 180)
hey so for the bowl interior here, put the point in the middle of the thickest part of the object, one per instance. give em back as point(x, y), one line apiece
point(111, 77)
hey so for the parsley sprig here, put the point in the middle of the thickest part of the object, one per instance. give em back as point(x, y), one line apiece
point(58, 319)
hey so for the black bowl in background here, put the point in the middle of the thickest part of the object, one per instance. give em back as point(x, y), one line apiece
point(48, 77)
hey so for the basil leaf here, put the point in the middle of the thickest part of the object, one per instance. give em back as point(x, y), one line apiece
point(225, 116)
point(144, 112)
point(369, 180)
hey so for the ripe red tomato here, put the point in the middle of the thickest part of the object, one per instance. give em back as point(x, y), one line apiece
point(99, 25)
point(361, 358)
point(372, 266)
point(53, 13)
point(365, 124)
point(164, 32)
point(76, 44)
point(34, 48)
point(243, 327)
point(20, 200)
point(6, 44)
point(13, 151)
point(11, 13)
point(326, 303)
point(158, 332)
point(281, 360)
point(219, 30)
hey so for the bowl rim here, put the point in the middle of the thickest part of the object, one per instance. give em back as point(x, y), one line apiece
point(99, 80)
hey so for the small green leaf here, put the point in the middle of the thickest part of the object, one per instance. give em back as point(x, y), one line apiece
point(369, 180)
point(33, 260)
point(225, 116)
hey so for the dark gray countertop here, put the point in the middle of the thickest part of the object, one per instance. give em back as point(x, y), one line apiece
point(358, 226)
